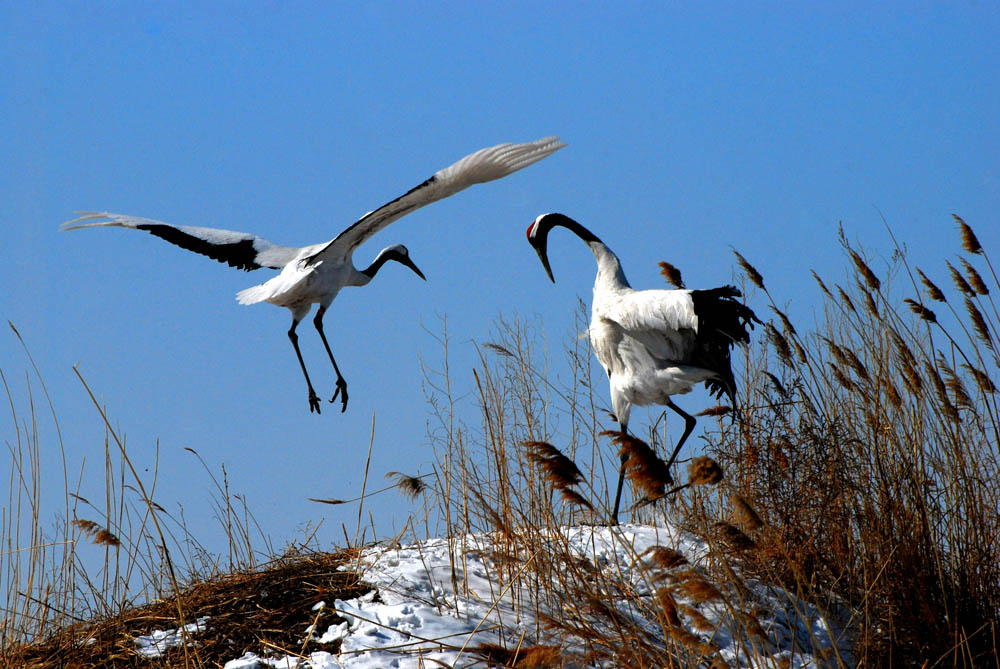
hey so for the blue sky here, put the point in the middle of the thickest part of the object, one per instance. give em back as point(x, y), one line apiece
point(691, 131)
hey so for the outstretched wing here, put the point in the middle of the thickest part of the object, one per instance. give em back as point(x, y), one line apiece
point(484, 165)
point(238, 249)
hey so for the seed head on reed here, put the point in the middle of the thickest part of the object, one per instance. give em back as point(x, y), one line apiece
point(959, 280)
point(974, 278)
point(800, 352)
point(718, 410)
point(497, 348)
point(697, 620)
point(913, 379)
point(954, 384)
point(691, 585)
point(703, 470)
point(841, 378)
point(539, 657)
point(668, 606)
point(785, 323)
point(920, 310)
point(703, 650)
point(981, 378)
point(822, 286)
point(644, 469)
point(664, 557)
point(856, 364)
point(979, 323)
point(409, 486)
point(902, 350)
point(846, 299)
point(864, 270)
point(933, 292)
point(969, 241)
point(870, 304)
point(752, 274)
point(732, 537)
point(780, 344)
point(890, 392)
point(745, 514)
point(560, 471)
point(752, 625)
point(98, 533)
point(778, 386)
point(573, 497)
point(671, 274)
point(836, 351)
point(525, 657)
point(944, 402)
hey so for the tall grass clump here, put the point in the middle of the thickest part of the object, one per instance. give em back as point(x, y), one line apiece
point(861, 473)
point(525, 480)
point(73, 568)
point(869, 447)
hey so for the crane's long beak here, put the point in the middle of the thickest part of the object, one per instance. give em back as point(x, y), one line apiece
point(543, 255)
point(409, 263)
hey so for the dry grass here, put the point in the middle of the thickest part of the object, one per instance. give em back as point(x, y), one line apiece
point(861, 473)
point(870, 446)
point(266, 611)
point(66, 606)
point(506, 479)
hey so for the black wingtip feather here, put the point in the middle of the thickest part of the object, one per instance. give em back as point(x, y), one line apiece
point(241, 254)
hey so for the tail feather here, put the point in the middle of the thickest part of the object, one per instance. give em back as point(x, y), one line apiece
point(722, 322)
point(254, 294)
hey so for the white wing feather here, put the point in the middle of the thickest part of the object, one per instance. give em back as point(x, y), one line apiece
point(484, 165)
point(663, 321)
point(239, 249)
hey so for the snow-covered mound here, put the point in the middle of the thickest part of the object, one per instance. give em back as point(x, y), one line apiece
point(440, 602)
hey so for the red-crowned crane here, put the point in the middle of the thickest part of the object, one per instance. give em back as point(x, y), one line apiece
point(654, 343)
point(316, 273)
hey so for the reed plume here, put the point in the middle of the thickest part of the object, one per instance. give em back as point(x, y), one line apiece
point(671, 274)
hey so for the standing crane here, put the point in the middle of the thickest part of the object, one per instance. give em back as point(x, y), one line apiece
point(316, 273)
point(654, 343)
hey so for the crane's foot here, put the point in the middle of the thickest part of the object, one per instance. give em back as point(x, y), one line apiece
point(314, 403)
point(342, 392)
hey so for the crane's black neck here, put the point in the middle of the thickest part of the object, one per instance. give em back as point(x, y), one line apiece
point(380, 260)
point(609, 269)
point(550, 221)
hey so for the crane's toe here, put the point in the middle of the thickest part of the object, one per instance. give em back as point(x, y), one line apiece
point(342, 392)
point(314, 403)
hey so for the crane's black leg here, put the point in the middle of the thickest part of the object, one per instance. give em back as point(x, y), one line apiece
point(621, 481)
point(341, 383)
point(689, 422)
point(313, 397)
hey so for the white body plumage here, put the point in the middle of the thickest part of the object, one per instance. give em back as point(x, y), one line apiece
point(653, 343)
point(642, 338)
